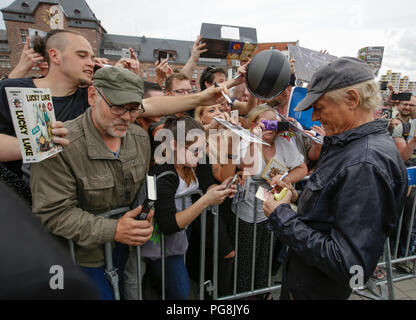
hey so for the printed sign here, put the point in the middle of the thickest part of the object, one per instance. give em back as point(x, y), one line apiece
point(373, 56)
point(308, 61)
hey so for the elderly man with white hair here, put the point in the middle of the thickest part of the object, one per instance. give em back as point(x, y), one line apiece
point(353, 198)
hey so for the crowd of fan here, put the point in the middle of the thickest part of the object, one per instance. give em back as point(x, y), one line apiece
point(67, 65)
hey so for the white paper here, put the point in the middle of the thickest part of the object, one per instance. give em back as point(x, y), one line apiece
point(243, 133)
point(230, 33)
point(261, 194)
point(151, 187)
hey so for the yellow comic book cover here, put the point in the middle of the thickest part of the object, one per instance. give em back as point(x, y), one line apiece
point(274, 167)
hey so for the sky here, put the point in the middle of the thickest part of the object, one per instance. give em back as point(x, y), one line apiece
point(340, 27)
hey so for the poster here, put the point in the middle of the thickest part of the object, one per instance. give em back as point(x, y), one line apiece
point(373, 56)
point(307, 61)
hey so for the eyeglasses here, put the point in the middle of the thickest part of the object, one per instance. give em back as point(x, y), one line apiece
point(182, 91)
point(119, 110)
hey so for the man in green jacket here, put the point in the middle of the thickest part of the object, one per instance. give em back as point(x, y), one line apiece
point(100, 170)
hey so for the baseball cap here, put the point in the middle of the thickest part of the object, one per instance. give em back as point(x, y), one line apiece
point(340, 73)
point(119, 85)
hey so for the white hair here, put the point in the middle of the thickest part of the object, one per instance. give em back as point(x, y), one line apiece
point(370, 98)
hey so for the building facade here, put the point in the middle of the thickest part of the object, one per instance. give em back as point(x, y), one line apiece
point(398, 82)
point(22, 15)
point(45, 15)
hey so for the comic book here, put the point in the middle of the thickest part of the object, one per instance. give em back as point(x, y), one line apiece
point(33, 114)
point(273, 168)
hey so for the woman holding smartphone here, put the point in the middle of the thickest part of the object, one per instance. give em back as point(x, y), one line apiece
point(174, 214)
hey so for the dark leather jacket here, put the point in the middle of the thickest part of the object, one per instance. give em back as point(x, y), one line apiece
point(345, 212)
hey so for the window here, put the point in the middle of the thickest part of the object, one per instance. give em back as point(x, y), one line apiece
point(152, 72)
point(5, 62)
point(23, 35)
point(112, 52)
point(144, 74)
point(195, 74)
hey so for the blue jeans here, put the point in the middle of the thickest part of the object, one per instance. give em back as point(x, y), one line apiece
point(98, 278)
point(177, 282)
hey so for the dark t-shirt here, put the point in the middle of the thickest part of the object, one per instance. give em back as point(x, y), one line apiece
point(66, 108)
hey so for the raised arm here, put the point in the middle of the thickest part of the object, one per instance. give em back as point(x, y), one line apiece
point(197, 49)
point(166, 105)
point(28, 59)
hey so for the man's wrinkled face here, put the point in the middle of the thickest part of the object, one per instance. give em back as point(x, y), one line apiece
point(335, 117)
point(109, 124)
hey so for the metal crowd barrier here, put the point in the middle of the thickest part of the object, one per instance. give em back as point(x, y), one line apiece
point(384, 289)
point(211, 285)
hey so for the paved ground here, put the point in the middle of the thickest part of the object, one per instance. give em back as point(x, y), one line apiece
point(403, 290)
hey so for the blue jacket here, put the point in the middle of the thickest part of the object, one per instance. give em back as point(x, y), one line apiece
point(345, 212)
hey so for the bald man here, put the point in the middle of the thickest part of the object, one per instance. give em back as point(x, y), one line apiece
point(71, 66)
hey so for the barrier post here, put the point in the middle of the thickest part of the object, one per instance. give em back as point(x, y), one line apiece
point(215, 213)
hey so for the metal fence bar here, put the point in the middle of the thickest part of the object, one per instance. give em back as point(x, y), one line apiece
point(253, 262)
point(139, 273)
point(251, 293)
point(237, 217)
point(387, 256)
point(215, 213)
point(399, 230)
point(110, 271)
point(162, 249)
point(202, 255)
point(269, 281)
point(412, 218)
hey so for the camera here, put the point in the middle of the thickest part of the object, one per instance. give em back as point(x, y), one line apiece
point(125, 53)
point(276, 125)
point(383, 85)
point(402, 96)
point(162, 55)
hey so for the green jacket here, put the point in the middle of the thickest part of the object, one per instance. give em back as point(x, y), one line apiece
point(85, 180)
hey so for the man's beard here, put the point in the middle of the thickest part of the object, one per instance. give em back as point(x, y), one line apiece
point(112, 131)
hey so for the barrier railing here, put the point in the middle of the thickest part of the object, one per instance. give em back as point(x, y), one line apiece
point(385, 287)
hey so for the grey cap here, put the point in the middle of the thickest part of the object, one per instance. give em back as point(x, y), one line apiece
point(340, 73)
point(119, 85)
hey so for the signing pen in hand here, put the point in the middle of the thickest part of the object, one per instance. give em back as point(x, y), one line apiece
point(224, 95)
point(275, 185)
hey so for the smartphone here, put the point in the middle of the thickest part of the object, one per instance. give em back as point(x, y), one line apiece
point(96, 68)
point(162, 55)
point(151, 197)
point(402, 96)
point(383, 85)
point(125, 53)
point(386, 113)
point(147, 206)
point(231, 182)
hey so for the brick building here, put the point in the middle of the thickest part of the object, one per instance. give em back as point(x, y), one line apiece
point(76, 15)
point(24, 14)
